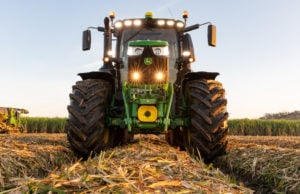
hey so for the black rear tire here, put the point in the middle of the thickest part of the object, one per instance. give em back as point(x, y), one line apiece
point(86, 130)
point(208, 128)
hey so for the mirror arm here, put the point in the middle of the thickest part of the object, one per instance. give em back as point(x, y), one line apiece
point(190, 28)
point(195, 27)
point(100, 29)
point(204, 24)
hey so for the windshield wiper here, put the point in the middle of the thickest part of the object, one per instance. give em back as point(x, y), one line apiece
point(132, 36)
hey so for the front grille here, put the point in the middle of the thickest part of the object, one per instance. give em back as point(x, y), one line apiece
point(147, 72)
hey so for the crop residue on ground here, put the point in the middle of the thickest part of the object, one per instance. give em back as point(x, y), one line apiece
point(147, 165)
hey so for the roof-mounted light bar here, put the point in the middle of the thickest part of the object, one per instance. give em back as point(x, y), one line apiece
point(168, 23)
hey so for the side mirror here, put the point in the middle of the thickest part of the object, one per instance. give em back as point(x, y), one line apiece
point(187, 48)
point(212, 35)
point(86, 40)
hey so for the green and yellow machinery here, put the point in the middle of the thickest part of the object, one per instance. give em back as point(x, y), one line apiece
point(146, 85)
point(10, 120)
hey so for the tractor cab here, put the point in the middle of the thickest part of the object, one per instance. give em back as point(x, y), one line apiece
point(155, 32)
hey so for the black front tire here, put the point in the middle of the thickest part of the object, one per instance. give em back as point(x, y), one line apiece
point(86, 130)
point(208, 128)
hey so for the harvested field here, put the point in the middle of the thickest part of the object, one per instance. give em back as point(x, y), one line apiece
point(289, 142)
point(43, 162)
point(269, 164)
point(148, 165)
point(30, 155)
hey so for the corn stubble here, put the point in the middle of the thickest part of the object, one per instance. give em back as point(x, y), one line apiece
point(30, 155)
point(268, 163)
point(145, 166)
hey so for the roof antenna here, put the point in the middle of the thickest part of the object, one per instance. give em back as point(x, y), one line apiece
point(170, 12)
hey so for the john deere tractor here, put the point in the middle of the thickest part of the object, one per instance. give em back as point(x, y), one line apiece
point(146, 86)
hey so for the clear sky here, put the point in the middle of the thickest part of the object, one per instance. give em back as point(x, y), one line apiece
point(257, 53)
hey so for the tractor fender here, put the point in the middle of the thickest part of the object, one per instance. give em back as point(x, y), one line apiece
point(105, 75)
point(198, 75)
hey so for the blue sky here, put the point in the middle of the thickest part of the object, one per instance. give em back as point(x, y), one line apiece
point(257, 53)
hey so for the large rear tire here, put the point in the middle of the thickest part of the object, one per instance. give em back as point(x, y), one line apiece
point(208, 128)
point(86, 130)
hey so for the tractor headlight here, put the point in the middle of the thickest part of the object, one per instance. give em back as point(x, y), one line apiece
point(180, 24)
point(110, 53)
point(159, 76)
point(134, 51)
point(161, 22)
point(137, 22)
point(128, 23)
point(186, 53)
point(118, 24)
point(170, 23)
point(161, 51)
point(135, 76)
point(106, 59)
point(138, 51)
point(157, 50)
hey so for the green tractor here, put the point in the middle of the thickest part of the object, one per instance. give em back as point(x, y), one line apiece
point(10, 121)
point(146, 86)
